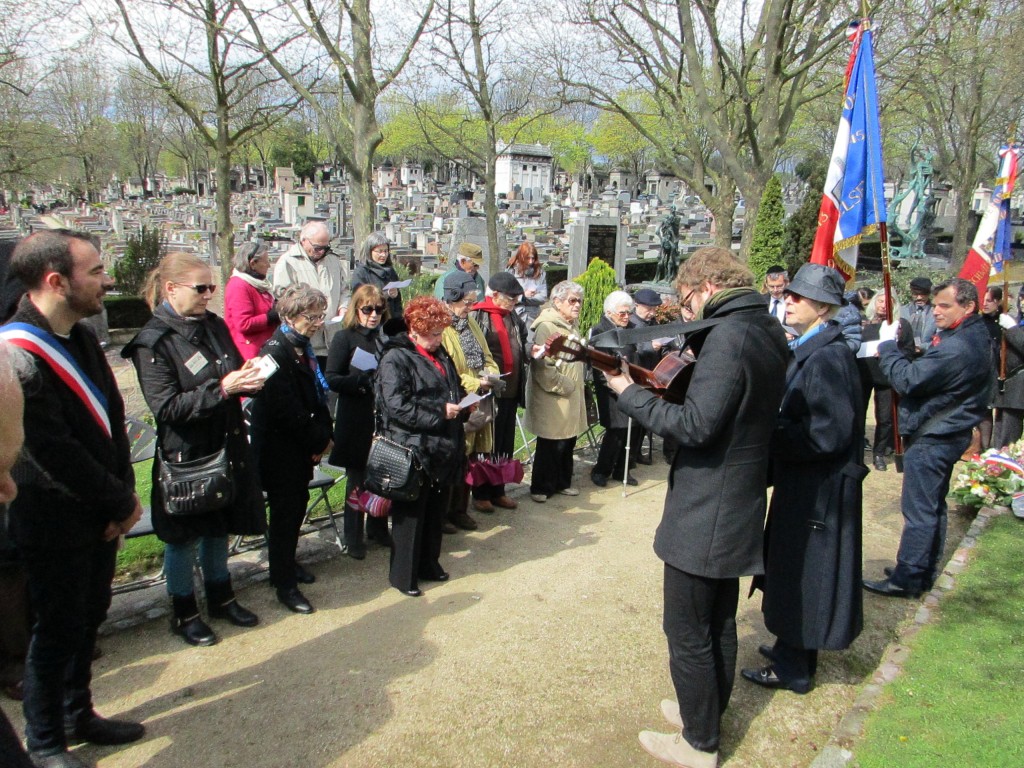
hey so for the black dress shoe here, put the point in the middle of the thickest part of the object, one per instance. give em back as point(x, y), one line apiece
point(766, 678)
point(194, 631)
point(410, 592)
point(443, 576)
point(99, 730)
point(598, 479)
point(880, 464)
point(294, 600)
point(766, 651)
point(887, 588)
point(235, 614)
point(645, 460)
point(356, 550)
point(303, 576)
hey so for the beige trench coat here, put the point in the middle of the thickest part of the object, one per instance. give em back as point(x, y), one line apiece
point(555, 407)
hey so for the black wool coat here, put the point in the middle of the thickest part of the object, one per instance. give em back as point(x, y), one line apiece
point(72, 478)
point(713, 520)
point(1012, 395)
point(411, 395)
point(812, 580)
point(515, 382)
point(379, 275)
point(290, 420)
point(608, 411)
point(353, 420)
point(180, 364)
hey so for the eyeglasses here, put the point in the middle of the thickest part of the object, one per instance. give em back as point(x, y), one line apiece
point(622, 313)
point(685, 303)
point(368, 310)
point(199, 288)
point(315, 318)
point(320, 248)
point(574, 301)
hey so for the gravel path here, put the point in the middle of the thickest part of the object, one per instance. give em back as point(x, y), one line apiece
point(544, 649)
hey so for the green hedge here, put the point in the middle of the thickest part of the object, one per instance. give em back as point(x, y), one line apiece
point(126, 311)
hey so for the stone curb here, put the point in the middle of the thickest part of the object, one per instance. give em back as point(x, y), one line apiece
point(838, 752)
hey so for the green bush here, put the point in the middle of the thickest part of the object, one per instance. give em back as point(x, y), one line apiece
point(141, 255)
point(126, 311)
point(184, 191)
point(766, 246)
point(598, 281)
point(554, 274)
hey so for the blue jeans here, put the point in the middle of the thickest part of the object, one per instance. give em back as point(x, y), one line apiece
point(180, 559)
point(70, 594)
point(927, 467)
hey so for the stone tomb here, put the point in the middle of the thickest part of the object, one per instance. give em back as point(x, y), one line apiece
point(603, 237)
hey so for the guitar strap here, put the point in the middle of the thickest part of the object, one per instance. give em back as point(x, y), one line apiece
point(620, 337)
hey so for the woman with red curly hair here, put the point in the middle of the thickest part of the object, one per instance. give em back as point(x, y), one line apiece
point(526, 267)
point(417, 392)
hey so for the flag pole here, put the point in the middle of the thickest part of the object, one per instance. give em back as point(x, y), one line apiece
point(883, 236)
point(1006, 292)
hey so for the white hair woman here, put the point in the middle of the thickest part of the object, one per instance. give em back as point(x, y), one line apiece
point(611, 458)
point(555, 410)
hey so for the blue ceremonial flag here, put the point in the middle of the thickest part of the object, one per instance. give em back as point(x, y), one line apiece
point(853, 203)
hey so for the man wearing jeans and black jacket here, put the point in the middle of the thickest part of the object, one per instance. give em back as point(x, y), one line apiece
point(944, 394)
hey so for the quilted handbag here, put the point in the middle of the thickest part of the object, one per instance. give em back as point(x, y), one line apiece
point(392, 470)
point(197, 486)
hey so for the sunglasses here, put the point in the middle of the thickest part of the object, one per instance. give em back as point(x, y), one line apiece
point(574, 301)
point(200, 288)
point(368, 310)
point(319, 248)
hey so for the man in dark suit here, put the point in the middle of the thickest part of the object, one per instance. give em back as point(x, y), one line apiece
point(77, 489)
point(711, 529)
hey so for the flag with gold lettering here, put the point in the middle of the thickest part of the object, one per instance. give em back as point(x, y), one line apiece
point(853, 203)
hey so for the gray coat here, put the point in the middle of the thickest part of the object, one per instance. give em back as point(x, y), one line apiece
point(812, 582)
point(713, 520)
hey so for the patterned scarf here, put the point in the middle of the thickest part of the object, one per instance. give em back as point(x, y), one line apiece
point(303, 345)
point(470, 346)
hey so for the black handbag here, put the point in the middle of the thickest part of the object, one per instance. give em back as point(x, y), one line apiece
point(392, 470)
point(198, 486)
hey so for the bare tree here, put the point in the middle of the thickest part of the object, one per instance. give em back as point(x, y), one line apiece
point(142, 112)
point(344, 32)
point(188, 42)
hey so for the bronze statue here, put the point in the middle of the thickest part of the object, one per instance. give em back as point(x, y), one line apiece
point(918, 223)
point(668, 233)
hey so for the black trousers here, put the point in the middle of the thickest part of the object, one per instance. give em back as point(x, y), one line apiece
point(700, 624)
point(552, 465)
point(287, 510)
point(354, 522)
point(794, 664)
point(611, 458)
point(1008, 428)
point(883, 444)
point(70, 594)
point(504, 443)
point(416, 536)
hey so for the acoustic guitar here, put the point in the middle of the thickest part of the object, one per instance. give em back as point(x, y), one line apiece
point(669, 379)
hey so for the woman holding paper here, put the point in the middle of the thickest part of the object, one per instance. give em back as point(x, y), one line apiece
point(375, 269)
point(291, 431)
point(418, 394)
point(351, 366)
point(464, 341)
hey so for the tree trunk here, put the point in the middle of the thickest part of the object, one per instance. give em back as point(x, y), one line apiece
point(751, 202)
point(723, 208)
point(495, 260)
point(225, 227)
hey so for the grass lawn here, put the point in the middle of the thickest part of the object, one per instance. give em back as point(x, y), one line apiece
point(960, 700)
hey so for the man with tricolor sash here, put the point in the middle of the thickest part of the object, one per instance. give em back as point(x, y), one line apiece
point(76, 488)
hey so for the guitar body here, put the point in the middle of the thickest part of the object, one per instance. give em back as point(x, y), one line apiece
point(669, 379)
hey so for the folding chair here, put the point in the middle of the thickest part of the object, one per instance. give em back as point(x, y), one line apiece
point(142, 438)
point(527, 443)
point(319, 488)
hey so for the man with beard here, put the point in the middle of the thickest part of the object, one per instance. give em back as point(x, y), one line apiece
point(711, 529)
point(77, 488)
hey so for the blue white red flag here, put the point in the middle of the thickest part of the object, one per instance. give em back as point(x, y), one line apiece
point(1003, 460)
point(992, 242)
point(853, 203)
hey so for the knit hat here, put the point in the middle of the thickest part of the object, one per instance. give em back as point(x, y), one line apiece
point(457, 284)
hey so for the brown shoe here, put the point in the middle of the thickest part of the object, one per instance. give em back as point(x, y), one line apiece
point(463, 521)
point(483, 505)
point(505, 502)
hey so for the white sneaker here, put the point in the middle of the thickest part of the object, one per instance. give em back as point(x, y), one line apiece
point(570, 491)
point(673, 749)
point(540, 498)
point(670, 711)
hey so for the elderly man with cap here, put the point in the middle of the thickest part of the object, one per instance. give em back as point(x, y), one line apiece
point(919, 312)
point(465, 344)
point(648, 354)
point(468, 259)
point(812, 574)
point(506, 333)
point(944, 394)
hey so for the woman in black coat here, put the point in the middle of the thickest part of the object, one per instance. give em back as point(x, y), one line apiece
point(812, 579)
point(375, 268)
point(611, 458)
point(192, 377)
point(353, 421)
point(291, 430)
point(418, 391)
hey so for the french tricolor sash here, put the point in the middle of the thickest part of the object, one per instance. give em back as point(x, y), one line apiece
point(43, 345)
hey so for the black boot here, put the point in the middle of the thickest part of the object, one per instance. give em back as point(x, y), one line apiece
point(377, 529)
point(187, 622)
point(220, 599)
